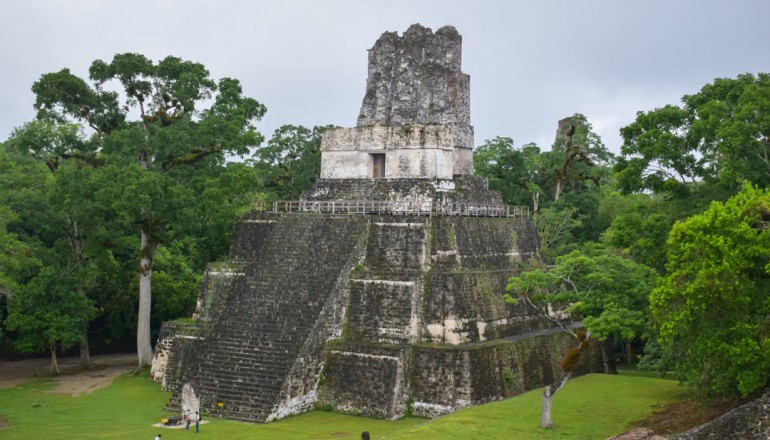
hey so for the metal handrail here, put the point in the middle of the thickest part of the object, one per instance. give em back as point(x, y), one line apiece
point(427, 208)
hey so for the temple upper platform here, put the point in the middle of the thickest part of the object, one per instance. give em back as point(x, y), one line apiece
point(414, 121)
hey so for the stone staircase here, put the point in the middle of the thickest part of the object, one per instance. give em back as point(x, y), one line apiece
point(259, 349)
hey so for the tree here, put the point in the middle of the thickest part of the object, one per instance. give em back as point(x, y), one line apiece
point(554, 228)
point(640, 233)
point(721, 134)
point(73, 216)
point(22, 205)
point(222, 196)
point(149, 160)
point(16, 259)
point(507, 171)
point(711, 308)
point(291, 161)
point(562, 186)
point(49, 311)
point(607, 291)
point(576, 155)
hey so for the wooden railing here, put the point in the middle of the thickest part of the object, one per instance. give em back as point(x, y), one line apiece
point(428, 208)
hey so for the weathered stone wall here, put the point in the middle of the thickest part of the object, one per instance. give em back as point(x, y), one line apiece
point(416, 111)
point(416, 78)
point(410, 163)
point(411, 151)
point(462, 189)
point(489, 371)
point(365, 380)
point(394, 137)
point(386, 295)
point(747, 422)
point(471, 261)
point(172, 349)
point(431, 381)
point(425, 316)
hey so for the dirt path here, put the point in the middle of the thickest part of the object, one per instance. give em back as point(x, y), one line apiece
point(72, 380)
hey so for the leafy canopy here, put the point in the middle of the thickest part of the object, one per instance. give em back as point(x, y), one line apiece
point(721, 134)
point(291, 161)
point(156, 132)
point(712, 306)
point(608, 291)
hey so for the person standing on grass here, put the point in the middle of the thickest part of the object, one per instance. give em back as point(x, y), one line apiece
point(197, 421)
point(187, 420)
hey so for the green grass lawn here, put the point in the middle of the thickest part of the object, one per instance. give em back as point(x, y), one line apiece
point(589, 407)
point(633, 370)
point(595, 406)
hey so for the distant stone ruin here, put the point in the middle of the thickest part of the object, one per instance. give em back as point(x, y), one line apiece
point(379, 293)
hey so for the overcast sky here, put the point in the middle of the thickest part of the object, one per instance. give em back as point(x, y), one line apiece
point(531, 63)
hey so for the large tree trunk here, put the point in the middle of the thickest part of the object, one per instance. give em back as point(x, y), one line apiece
point(558, 189)
point(143, 343)
point(85, 352)
point(629, 353)
point(54, 361)
point(608, 347)
point(535, 202)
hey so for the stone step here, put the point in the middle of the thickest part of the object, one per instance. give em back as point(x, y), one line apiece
point(262, 343)
point(260, 382)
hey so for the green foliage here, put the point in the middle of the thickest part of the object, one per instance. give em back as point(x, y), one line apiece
point(148, 173)
point(221, 196)
point(524, 175)
point(711, 308)
point(555, 228)
point(561, 186)
point(409, 407)
point(508, 376)
point(641, 235)
point(176, 284)
point(608, 291)
point(507, 169)
point(47, 311)
point(575, 160)
point(16, 261)
point(24, 183)
point(721, 134)
point(291, 161)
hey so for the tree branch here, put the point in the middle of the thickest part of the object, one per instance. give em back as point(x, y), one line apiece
point(195, 155)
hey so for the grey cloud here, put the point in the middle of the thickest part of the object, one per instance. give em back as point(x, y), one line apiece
point(531, 63)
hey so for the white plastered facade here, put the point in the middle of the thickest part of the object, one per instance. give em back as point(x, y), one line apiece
point(411, 151)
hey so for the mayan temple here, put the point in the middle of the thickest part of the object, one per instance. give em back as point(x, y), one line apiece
point(380, 292)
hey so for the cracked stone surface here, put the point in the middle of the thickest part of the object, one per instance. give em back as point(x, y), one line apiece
point(416, 79)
